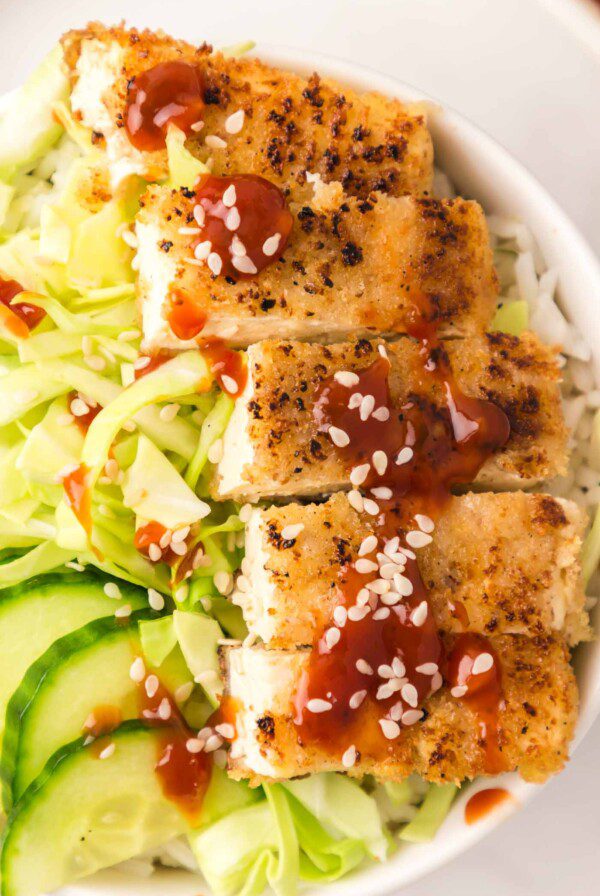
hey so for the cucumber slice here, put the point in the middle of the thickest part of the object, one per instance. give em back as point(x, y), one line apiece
point(79, 673)
point(34, 614)
point(84, 813)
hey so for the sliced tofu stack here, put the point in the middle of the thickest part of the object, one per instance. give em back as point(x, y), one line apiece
point(272, 446)
point(535, 724)
point(348, 270)
point(497, 564)
point(283, 125)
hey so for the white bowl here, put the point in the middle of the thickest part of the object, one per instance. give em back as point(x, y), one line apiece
point(483, 170)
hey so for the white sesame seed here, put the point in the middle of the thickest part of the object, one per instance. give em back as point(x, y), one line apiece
point(382, 350)
point(288, 533)
point(151, 685)
point(235, 122)
point(346, 378)
point(214, 142)
point(482, 663)
point(184, 691)
point(380, 461)
point(129, 335)
point(354, 401)
point(225, 730)
point(168, 412)
point(368, 545)
point(398, 667)
point(381, 613)
point(379, 586)
point(237, 246)
point(436, 682)
point(164, 709)
point(332, 636)
point(215, 263)
point(363, 667)
point(233, 219)
point(129, 237)
point(419, 614)
point(154, 553)
point(318, 705)
point(385, 671)
point(391, 546)
point(388, 570)
point(403, 585)
point(244, 264)
point(194, 745)
point(107, 752)
point(390, 599)
point(410, 695)
point(404, 456)
point(95, 362)
point(370, 507)
point(197, 126)
point(155, 599)
point(64, 419)
point(408, 553)
point(349, 757)
point(396, 711)
point(359, 474)
point(230, 196)
point(363, 597)
point(229, 383)
point(355, 500)
point(425, 523)
point(417, 539)
point(356, 699)
point(111, 589)
point(459, 690)
point(245, 512)
point(355, 614)
point(382, 492)
point(203, 250)
point(365, 566)
point(390, 728)
point(79, 408)
point(338, 436)
point(199, 215)
point(340, 614)
point(215, 452)
point(137, 670)
point(188, 231)
point(411, 716)
point(223, 582)
point(214, 742)
point(427, 668)
point(366, 407)
point(271, 245)
point(385, 691)
point(382, 414)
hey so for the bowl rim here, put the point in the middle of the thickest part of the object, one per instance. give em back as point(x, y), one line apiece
point(410, 864)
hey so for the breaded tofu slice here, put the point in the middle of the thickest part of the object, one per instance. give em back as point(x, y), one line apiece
point(272, 446)
point(348, 270)
point(504, 563)
point(291, 124)
point(535, 723)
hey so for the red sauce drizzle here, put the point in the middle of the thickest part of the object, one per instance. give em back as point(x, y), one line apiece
point(84, 421)
point(21, 317)
point(483, 693)
point(237, 215)
point(185, 316)
point(156, 361)
point(78, 496)
point(228, 366)
point(168, 93)
point(102, 720)
point(445, 437)
point(483, 802)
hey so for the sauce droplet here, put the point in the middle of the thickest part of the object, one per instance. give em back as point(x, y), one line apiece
point(21, 317)
point(84, 421)
point(483, 802)
point(168, 93)
point(228, 366)
point(78, 496)
point(102, 720)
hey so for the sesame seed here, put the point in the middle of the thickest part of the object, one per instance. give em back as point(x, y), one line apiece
point(129, 335)
point(365, 566)
point(379, 586)
point(419, 614)
point(137, 670)
point(318, 705)
point(188, 231)
point(107, 752)
point(385, 691)
point(338, 436)
point(364, 667)
point(78, 567)
point(155, 599)
point(214, 142)
point(197, 126)
point(141, 362)
point(168, 412)
point(230, 196)
point(203, 250)
point(199, 215)
point(388, 570)
point(229, 383)
point(385, 671)
point(154, 552)
point(210, 675)
point(359, 474)
point(382, 492)
point(332, 636)
point(111, 468)
point(427, 668)
point(436, 682)
point(235, 122)
point(214, 742)
point(245, 512)
point(368, 545)
point(482, 663)
point(390, 599)
point(404, 456)
point(403, 586)
point(382, 351)
point(271, 245)
point(391, 546)
point(355, 614)
point(95, 362)
point(215, 263)
point(354, 401)
point(151, 685)
point(370, 507)
point(380, 461)
point(340, 614)
point(411, 716)
point(425, 523)
point(215, 452)
point(184, 691)
point(363, 597)
point(164, 709)
point(398, 667)
point(194, 745)
point(180, 535)
point(417, 539)
point(366, 407)
point(346, 378)
point(225, 730)
point(288, 533)
point(244, 264)
point(349, 757)
point(390, 728)
point(356, 699)
point(111, 589)
point(233, 219)
point(64, 419)
point(410, 695)
point(382, 414)
point(79, 408)
point(223, 582)
point(381, 614)
point(130, 238)
point(396, 711)
point(237, 246)
point(408, 553)
point(459, 690)
point(355, 500)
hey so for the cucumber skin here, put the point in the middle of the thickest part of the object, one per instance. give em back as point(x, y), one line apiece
point(49, 581)
point(67, 753)
point(36, 676)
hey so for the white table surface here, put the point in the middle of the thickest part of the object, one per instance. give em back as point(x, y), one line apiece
point(528, 73)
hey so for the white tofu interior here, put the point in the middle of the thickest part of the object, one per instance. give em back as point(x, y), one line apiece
point(238, 450)
point(261, 594)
